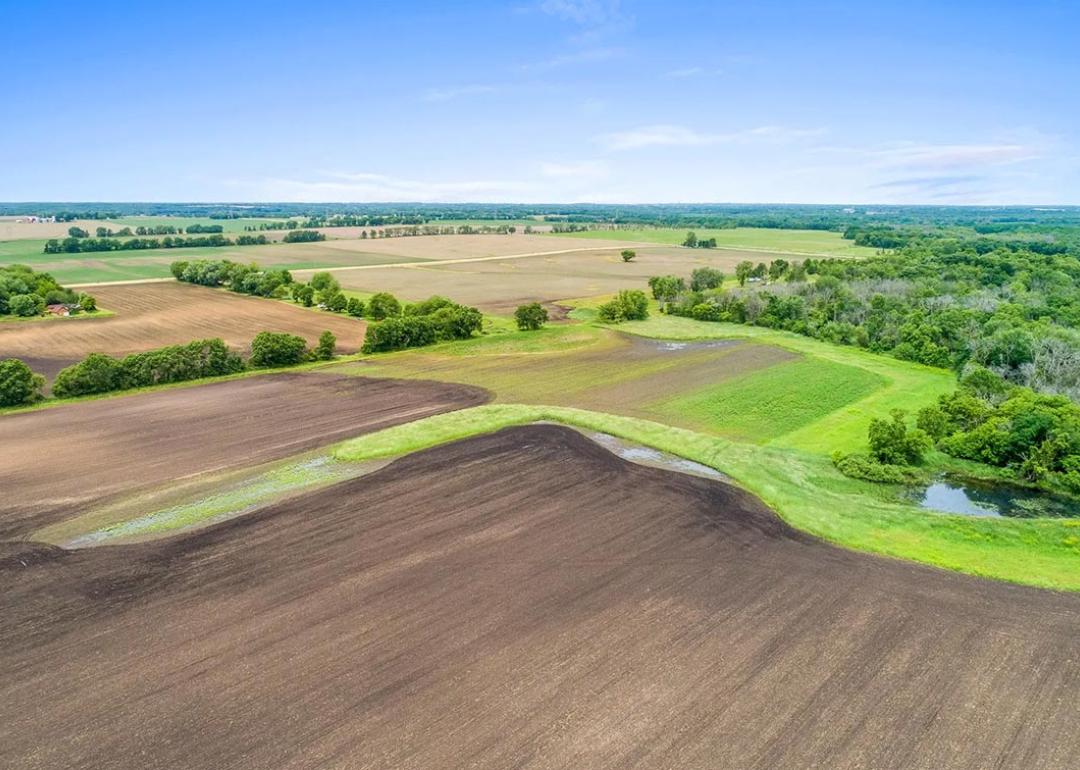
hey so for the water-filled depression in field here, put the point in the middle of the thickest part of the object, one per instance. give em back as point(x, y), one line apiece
point(525, 598)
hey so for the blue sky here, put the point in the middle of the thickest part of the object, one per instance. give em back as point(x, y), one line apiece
point(553, 100)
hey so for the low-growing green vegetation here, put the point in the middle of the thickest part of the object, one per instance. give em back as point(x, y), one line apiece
point(436, 319)
point(765, 404)
point(530, 317)
point(628, 305)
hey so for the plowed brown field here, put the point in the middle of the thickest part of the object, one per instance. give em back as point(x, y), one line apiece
point(56, 462)
point(154, 315)
point(524, 599)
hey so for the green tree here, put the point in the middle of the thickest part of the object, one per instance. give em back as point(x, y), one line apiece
point(531, 317)
point(18, 384)
point(893, 444)
point(26, 305)
point(631, 305)
point(743, 270)
point(278, 349)
point(704, 278)
point(87, 303)
point(690, 240)
point(336, 302)
point(355, 307)
point(304, 294)
point(324, 351)
point(324, 281)
point(628, 255)
point(382, 306)
point(97, 373)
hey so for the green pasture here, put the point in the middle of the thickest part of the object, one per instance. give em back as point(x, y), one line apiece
point(818, 243)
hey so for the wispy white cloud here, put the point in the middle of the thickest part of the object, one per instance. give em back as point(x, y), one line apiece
point(368, 187)
point(583, 56)
point(685, 72)
point(681, 136)
point(455, 92)
point(581, 170)
point(584, 12)
point(953, 156)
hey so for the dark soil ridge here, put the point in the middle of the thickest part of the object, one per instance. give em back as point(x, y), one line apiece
point(525, 599)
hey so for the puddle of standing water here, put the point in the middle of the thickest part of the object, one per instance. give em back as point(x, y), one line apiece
point(969, 499)
point(654, 458)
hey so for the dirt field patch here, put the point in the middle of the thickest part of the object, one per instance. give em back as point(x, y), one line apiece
point(152, 315)
point(129, 443)
point(499, 286)
point(525, 599)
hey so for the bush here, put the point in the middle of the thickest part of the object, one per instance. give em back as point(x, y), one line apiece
point(87, 303)
point(428, 306)
point(278, 349)
point(97, 373)
point(324, 351)
point(383, 306)
point(303, 236)
point(336, 302)
point(18, 384)
point(628, 255)
point(304, 294)
point(630, 305)
point(355, 307)
point(399, 333)
point(859, 466)
point(530, 317)
point(456, 322)
point(324, 281)
point(705, 278)
point(26, 305)
point(893, 444)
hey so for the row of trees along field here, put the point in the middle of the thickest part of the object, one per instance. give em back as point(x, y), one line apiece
point(99, 373)
point(127, 232)
point(25, 293)
point(944, 303)
point(83, 245)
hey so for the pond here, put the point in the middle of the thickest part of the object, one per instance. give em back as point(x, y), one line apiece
point(973, 499)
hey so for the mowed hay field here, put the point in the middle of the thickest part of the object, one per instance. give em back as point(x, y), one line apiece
point(524, 599)
point(131, 442)
point(152, 315)
point(500, 285)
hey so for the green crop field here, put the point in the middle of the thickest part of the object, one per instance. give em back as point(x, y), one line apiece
point(800, 242)
point(763, 405)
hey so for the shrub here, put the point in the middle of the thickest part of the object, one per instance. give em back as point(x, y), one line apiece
point(304, 294)
point(628, 255)
point(278, 349)
point(860, 466)
point(456, 322)
point(705, 278)
point(18, 384)
point(399, 333)
point(893, 444)
point(324, 351)
point(324, 281)
point(97, 373)
point(428, 306)
point(530, 317)
point(26, 305)
point(87, 303)
point(355, 307)
point(382, 306)
point(631, 305)
point(336, 302)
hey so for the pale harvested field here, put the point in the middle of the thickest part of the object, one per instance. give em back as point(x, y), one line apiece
point(153, 315)
point(13, 230)
point(525, 600)
point(499, 286)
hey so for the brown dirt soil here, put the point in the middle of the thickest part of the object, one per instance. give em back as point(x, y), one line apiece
point(499, 286)
point(125, 444)
point(525, 599)
point(157, 314)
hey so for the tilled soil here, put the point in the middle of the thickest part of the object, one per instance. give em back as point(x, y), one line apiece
point(154, 315)
point(56, 462)
point(524, 599)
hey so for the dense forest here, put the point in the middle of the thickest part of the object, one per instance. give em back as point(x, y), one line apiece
point(1013, 308)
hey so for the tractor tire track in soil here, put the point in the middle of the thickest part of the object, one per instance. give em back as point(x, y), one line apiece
point(524, 599)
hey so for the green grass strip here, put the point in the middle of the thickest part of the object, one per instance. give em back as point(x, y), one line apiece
point(803, 488)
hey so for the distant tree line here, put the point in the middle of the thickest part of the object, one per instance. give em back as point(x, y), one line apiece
point(243, 279)
point(100, 373)
point(304, 236)
point(26, 293)
point(83, 245)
